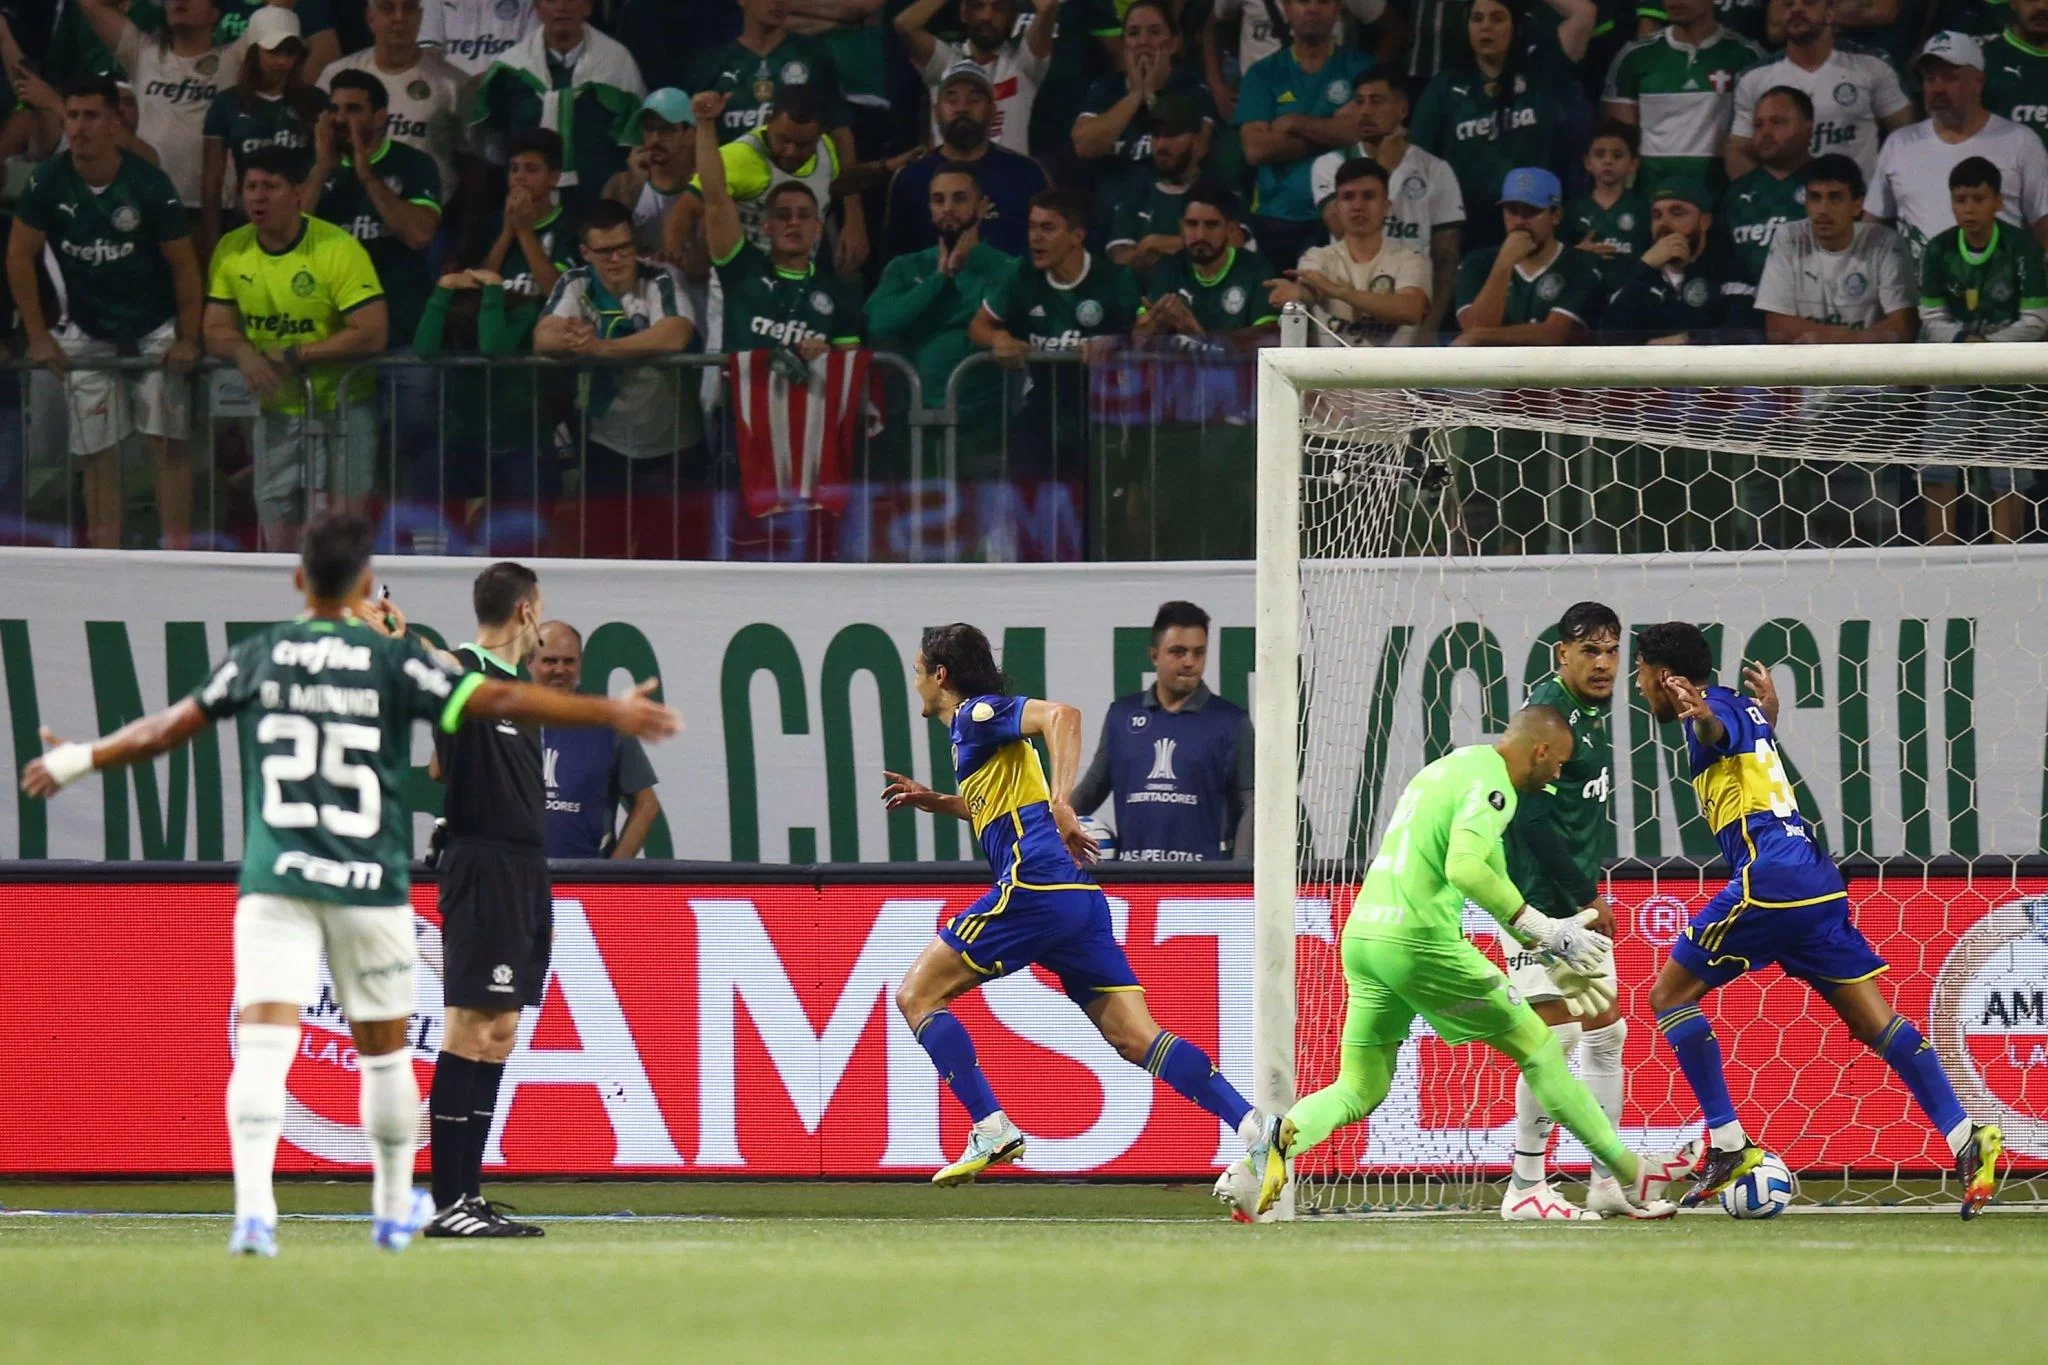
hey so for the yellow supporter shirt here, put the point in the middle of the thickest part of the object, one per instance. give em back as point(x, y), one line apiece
point(296, 297)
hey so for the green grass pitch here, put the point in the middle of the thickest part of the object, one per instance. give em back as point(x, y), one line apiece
point(1009, 1271)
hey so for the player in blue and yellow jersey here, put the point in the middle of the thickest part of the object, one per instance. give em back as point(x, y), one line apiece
point(1043, 908)
point(1786, 903)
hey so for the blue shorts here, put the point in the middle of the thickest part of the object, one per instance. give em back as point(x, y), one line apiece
point(1818, 944)
point(1066, 931)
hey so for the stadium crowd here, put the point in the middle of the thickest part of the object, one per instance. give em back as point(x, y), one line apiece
point(599, 180)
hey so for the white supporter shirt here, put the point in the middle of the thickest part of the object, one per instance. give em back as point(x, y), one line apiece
point(171, 97)
point(1395, 268)
point(474, 33)
point(1910, 185)
point(1016, 73)
point(426, 104)
point(1255, 37)
point(1422, 193)
point(1850, 91)
point(1858, 286)
point(641, 421)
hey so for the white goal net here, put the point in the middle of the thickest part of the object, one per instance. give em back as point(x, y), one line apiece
point(1859, 519)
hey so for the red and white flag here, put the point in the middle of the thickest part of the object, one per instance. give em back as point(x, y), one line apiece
point(797, 439)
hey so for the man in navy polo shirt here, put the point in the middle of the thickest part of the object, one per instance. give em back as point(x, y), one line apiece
point(589, 776)
point(1176, 757)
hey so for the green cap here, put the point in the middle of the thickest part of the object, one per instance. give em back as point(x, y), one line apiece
point(1685, 189)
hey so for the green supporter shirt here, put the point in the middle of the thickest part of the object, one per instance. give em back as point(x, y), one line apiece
point(1132, 152)
point(1407, 893)
point(1982, 292)
point(1571, 283)
point(556, 233)
point(1275, 87)
point(1684, 97)
point(327, 709)
point(754, 80)
point(768, 306)
point(1751, 212)
point(592, 123)
point(1625, 227)
point(109, 243)
point(924, 313)
point(407, 272)
point(1156, 210)
point(266, 121)
point(2016, 81)
point(1562, 837)
point(1061, 317)
point(1230, 299)
point(1483, 140)
point(495, 409)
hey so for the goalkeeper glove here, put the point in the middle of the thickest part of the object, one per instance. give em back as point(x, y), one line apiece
point(1584, 995)
point(1566, 941)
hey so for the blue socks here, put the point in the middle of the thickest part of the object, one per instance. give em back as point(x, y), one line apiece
point(1914, 1058)
point(1699, 1057)
point(952, 1052)
point(1192, 1075)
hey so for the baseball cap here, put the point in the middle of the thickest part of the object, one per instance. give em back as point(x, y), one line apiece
point(1531, 185)
point(966, 70)
point(271, 26)
point(668, 104)
point(1175, 115)
point(1686, 190)
point(1957, 49)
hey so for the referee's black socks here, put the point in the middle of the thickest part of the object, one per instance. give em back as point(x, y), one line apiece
point(483, 1111)
point(451, 1104)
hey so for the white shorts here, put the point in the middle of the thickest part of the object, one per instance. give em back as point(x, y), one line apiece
point(1531, 978)
point(371, 954)
point(106, 405)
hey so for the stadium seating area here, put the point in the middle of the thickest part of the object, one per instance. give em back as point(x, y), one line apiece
point(1150, 183)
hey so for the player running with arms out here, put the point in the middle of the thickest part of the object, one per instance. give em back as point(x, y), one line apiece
point(1042, 909)
point(1405, 953)
point(1787, 903)
point(324, 859)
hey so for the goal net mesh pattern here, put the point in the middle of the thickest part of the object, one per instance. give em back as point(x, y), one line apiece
point(1442, 533)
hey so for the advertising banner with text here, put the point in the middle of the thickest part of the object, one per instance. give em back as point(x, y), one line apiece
point(1915, 684)
point(749, 1030)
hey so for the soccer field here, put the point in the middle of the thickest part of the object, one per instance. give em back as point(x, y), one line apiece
point(1007, 1271)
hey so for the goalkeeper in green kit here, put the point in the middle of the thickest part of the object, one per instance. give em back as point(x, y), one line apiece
point(1405, 954)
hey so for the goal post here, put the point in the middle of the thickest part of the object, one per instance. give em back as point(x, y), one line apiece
point(1425, 514)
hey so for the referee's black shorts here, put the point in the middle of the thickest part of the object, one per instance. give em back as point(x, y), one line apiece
point(497, 924)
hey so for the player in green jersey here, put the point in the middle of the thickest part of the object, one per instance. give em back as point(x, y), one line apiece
point(1982, 280)
point(334, 696)
point(1405, 953)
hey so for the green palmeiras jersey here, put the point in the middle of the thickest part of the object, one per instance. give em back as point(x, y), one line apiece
point(1483, 138)
point(1029, 305)
point(1230, 298)
point(407, 274)
point(1563, 835)
point(2016, 81)
point(1749, 215)
point(108, 242)
point(1625, 226)
point(766, 305)
point(1684, 98)
point(1967, 293)
point(1571, 283)
point(753, 81)
point(327, 709)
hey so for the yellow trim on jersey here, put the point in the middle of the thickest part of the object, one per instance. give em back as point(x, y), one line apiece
point(1852, 980)
point(1111, 990)
point(1010, 780)
point(985, 971)
point(1792, 905)
point(1736, 786)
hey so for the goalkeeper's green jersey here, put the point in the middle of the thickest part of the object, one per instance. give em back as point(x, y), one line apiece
point(1562, 835)
point(1407, 893)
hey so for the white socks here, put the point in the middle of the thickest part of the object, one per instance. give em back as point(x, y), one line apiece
point(1600, 1069)
point(390, 1110)
point(1727, 1137)
point(1532, 1124)
point(263, 1056)
point(1252, 1129)
point(1959, 1136)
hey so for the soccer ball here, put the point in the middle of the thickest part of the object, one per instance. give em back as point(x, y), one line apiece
point(1105, 837)
point(1763, 1193)
point(1237, 1189)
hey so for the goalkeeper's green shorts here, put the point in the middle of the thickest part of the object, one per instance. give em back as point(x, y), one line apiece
point(1451, 984)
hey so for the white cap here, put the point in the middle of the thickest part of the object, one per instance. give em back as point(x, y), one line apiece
point(1957, 49)
point(271, 25)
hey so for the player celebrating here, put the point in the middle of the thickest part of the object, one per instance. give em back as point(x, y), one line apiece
point(1560, 837)
point(1787, 903)
point(1405, 954)
point(1042, 909)
point(324, 862)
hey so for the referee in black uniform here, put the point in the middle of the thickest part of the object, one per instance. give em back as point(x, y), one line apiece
point(497, 911)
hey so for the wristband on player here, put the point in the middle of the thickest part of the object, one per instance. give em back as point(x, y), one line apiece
point(68, 762)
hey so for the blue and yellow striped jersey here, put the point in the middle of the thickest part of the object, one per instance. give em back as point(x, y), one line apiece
point(1749, 804)
point(1007, 799)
